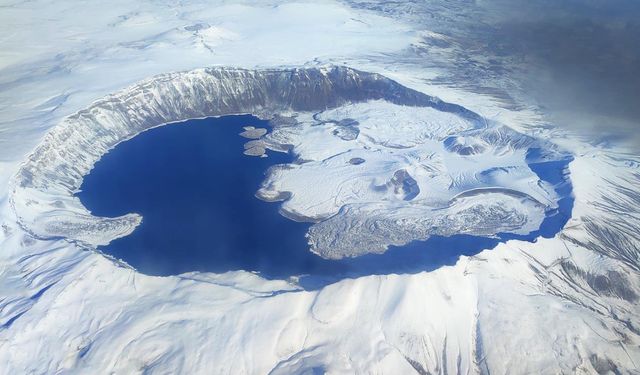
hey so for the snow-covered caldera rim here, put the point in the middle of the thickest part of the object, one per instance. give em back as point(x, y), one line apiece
point(43, 190)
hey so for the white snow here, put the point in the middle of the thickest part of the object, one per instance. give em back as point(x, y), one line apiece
point(563, 305)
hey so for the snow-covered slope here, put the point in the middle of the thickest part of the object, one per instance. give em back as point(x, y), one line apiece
point(568, 304)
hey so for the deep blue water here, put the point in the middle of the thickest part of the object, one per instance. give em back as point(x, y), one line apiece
point(195, 190)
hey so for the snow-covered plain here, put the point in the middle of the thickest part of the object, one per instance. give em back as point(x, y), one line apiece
point(561, 305)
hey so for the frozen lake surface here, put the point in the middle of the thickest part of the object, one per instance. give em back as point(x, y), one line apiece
point(195, 190)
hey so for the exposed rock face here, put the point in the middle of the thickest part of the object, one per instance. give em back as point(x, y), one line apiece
point(253, 133)
point(42, 192)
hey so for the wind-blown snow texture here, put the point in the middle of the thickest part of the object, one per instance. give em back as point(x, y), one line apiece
point(564, 304)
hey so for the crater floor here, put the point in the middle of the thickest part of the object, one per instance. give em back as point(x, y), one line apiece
point(195, 190)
